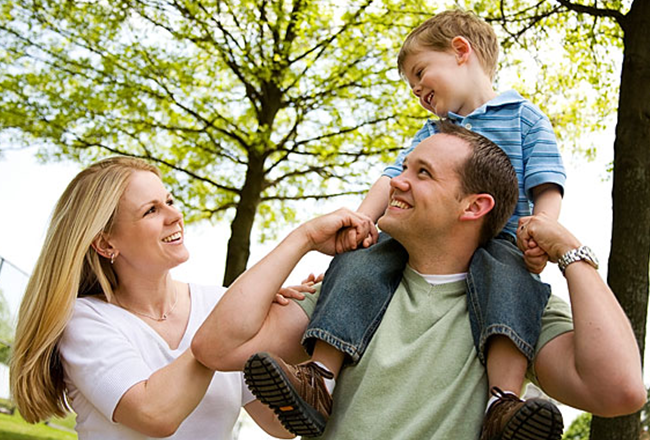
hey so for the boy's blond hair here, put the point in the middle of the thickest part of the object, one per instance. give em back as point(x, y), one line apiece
point(437, 32)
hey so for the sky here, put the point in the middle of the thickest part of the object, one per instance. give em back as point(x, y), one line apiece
point(29, 190)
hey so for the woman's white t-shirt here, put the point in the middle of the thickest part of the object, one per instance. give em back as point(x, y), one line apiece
point(106, 350)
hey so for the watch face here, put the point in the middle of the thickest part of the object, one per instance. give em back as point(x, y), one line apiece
point(583, 253)
point(589, 255)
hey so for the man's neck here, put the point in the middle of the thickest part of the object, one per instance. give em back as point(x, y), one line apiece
point(448, 256)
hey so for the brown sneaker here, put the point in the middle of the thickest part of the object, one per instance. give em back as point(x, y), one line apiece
point(297, 394)
point(510, 418)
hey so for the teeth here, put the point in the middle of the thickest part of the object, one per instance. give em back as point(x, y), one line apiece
point(398, 204)
point(173, 237)
point(429, 98)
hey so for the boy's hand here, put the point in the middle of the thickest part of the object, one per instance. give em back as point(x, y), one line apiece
point(297, 292)
point(321, 232)
point(540, 234)
point(347, 240)
point(534, 257)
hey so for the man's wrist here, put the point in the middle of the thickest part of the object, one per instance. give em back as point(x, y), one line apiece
point(580, 253)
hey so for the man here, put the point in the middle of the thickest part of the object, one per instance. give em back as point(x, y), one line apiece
point(420, 377)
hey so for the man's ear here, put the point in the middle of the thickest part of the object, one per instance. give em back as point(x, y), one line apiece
point(477, 206)
point(103, 247)
point(462, 48)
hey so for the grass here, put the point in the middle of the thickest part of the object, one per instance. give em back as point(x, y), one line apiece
point(14, 427)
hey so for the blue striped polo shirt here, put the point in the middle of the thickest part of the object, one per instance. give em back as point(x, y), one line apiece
point(522, 131)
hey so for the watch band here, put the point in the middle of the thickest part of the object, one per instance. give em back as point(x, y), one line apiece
point(582, 253)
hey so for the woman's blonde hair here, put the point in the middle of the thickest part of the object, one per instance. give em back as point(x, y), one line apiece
point(67, 267)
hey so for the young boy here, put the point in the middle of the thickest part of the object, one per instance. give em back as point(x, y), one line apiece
point(449, 62)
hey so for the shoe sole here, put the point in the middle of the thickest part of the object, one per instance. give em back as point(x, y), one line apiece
point(269, 384)
point(536, 420)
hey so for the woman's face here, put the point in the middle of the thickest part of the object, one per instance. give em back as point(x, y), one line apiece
point(148, 231)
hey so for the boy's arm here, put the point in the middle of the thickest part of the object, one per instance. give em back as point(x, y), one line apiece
point(376, 201)
point(547, 199)
point(373, 206)
point(597, 366)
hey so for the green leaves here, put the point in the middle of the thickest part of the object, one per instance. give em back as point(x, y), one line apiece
point(233, 99)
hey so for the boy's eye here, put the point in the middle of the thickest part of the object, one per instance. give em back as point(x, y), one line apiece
point(418, 73)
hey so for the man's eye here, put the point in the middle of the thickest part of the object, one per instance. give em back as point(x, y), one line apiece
point(425, 172)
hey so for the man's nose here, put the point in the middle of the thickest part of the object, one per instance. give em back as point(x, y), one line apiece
point(400, 182)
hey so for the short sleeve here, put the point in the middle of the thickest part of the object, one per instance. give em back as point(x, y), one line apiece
point(98, 359)
point(556, 321)
point(247, 395)
point(541, 155)
point(308, 304)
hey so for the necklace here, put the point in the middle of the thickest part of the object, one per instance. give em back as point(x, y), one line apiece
point(163, 317)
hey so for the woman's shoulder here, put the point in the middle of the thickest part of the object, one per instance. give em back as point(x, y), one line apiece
point(206, 295)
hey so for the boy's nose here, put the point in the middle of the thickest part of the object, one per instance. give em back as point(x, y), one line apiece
point(417, 90)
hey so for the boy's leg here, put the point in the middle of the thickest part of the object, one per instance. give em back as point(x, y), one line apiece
point(506, 304)
point(354, 295)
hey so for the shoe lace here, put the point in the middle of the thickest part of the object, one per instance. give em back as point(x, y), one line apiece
point(312, 371)
point(499, 410)
point(503, 397)
point(311, 377)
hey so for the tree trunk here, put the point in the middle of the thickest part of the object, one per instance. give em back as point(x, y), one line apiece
point(242, 224)
point(630, 250)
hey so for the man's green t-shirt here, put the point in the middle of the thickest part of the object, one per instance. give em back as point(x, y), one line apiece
point(420, 377)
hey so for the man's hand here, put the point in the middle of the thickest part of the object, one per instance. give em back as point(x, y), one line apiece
point(322, 231)
point(539, 235)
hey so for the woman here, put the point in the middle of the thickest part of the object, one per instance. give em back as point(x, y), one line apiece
point(104, 326)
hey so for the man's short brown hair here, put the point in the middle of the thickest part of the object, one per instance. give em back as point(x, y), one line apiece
point(487, 170)
point(437, 32)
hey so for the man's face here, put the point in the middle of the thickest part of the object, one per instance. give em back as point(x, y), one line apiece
point(426, 197)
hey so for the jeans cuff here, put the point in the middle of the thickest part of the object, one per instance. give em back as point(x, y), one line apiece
point(503, 330)
point(342, 346)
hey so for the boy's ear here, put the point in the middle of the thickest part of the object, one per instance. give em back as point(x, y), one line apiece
point(103, 247)
point(462, 48)
point(477, 206)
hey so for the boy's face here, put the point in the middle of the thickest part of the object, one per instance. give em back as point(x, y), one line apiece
point(438, 80)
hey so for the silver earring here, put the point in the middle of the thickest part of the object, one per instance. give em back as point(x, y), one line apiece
point(112, 257)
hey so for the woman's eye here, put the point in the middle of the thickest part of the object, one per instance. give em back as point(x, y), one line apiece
point(150, 210)
point(170, 202)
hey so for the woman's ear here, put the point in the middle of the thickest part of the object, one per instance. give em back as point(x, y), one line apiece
point(462, 48)
point(477, 206)
point(103, 247)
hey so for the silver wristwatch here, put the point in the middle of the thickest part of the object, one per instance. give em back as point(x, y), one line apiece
point(583, 253)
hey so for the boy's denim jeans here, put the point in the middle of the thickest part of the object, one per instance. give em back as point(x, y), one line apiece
point(503, 298)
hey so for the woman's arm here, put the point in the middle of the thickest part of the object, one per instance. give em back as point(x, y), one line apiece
point(246, 321)
point(157, 406)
